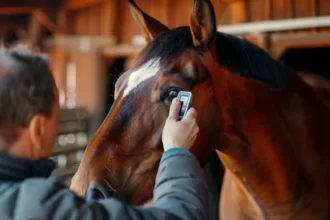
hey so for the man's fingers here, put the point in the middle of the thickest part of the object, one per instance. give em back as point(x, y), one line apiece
point(174, 109)
point(191, 114)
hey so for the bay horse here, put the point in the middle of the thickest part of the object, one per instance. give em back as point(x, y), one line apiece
point(269, 128)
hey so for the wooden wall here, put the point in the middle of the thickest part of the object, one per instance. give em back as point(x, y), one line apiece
point(112, 17)
point(90, 79)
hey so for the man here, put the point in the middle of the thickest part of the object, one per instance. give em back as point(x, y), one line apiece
point(29, 109)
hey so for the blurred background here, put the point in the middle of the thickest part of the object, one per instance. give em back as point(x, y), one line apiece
point(92, 41)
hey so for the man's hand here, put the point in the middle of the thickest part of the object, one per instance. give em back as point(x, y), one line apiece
point(180, 133)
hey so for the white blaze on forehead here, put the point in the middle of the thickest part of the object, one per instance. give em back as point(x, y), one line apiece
point(146, 71)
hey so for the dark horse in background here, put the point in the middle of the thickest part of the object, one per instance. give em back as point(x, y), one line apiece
point(269, 128)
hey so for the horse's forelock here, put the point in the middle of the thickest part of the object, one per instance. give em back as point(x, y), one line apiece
point(167, 46)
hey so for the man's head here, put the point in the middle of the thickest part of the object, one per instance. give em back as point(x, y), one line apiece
point(29, 104)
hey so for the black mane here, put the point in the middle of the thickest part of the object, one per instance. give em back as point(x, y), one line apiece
point(238, 55)
point(248, 60)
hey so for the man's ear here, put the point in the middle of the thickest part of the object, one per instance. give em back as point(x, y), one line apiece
point(149, 26)
point(202, 23)
point(37, 129)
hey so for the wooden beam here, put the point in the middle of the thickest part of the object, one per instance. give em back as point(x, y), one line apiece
point(60, 58)
point(108, 17)
point(39, 15)
point(16, 10)
point(62, 19)
point(46, 22)
point(72, 5)
point(81, 43)
point(34, 31)
point(275, 25)
point(279, 43)
point(231, 1)
point(122, 50)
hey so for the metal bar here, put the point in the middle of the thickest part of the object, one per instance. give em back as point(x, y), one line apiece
point(277, 25)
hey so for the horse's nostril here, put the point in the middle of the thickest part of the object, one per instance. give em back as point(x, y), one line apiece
point(97, 192)
point(94, 194)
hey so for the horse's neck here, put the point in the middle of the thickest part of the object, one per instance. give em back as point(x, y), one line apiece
point(275, 142)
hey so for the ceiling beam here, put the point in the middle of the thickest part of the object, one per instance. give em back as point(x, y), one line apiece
point(16, 10)
point(39, 15)
point(275, 25)
point(34, 31)
point(72, 5)
point(46, 22)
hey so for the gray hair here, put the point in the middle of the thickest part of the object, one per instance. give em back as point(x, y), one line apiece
point(26, 88)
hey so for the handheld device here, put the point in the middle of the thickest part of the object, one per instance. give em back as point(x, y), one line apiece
point(185, 98)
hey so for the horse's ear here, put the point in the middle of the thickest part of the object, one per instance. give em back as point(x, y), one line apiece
point(202, 23)
point(149, 26)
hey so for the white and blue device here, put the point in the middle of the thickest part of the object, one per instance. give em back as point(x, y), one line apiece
point(185, 99)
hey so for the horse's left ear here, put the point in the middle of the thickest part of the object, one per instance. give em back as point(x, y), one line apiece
point(202, 23)
point(149, 26)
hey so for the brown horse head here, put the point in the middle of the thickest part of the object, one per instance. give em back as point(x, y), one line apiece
point(270, 127)
point(122, 158)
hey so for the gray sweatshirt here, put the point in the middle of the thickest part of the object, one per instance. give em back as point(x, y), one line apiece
point(180, 193)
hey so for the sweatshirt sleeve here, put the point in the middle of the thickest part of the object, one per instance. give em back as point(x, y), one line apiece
point(180, 193)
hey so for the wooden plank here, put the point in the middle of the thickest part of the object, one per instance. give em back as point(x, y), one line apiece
point(304, 8)
point(83, 20)
point(122, 50)
point(46, 22)
point(62, 20)
point(108, 14)
point(276, 25)
point(127, 31)
point(219, 8)
point(71, 5)
point(16, 10)
point(231, 1)
point(167, 13)
point(281, 42)
point(159, 10)
point(182, 12)
point(91, 72)
point(171, 16)
point(94, 18)
point(323, 7)
point(39, 15)
point(235, 12)
point(269, 9)
point(80, 22)
point(72, 22)
point(81, 43)
point(282, 9)
point(59, 58)
point(34, 31)
point(259, 10)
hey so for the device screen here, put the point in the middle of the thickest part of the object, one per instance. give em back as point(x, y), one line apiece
point(185, 99)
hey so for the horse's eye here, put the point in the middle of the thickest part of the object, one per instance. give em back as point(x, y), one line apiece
point(168, 94)
point(172, 94)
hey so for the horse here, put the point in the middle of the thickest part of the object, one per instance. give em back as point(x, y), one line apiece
point(268, 127)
